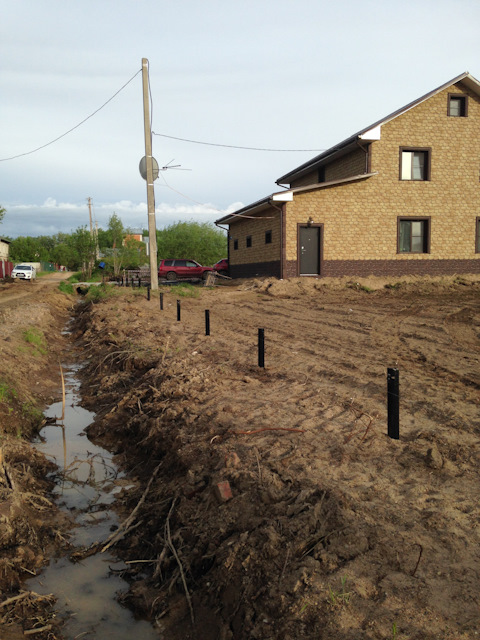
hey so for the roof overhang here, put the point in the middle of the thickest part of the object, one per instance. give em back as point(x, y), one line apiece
point(255, 208)
point(372, 132)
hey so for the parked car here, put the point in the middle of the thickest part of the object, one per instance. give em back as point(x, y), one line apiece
point(173, 269)
point(221, 267)
point(24, 272)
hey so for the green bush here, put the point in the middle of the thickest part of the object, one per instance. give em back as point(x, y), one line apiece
point(65, 287)
point(99, 293)
point(185, 290)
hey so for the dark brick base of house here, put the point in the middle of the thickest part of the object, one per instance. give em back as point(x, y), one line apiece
point(255, 270)
point(339, 268)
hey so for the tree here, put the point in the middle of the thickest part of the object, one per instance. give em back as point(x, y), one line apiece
point(83, 244)
point(25, 249)
point(117, 233)
point(200, 241)
point(2, 213)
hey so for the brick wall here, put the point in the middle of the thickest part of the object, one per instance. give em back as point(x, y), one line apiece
point(351, 164)
point(259, 252)
point(360, 219)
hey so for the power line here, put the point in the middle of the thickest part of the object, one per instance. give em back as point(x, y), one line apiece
point(75, 127)
point(232, 146)
point(238, 215)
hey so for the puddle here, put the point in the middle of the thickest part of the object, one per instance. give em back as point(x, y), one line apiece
point(85, 590)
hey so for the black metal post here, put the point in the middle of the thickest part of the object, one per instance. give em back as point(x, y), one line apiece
point(261, 348)
point(393, 403)
point(139, 282)
point(178, 310)
point(207, 322)
point(126, 281)
point(161, 301)
point(148, 292)
point(121, 282)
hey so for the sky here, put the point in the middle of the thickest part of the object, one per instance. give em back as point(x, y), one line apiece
point(296, 75)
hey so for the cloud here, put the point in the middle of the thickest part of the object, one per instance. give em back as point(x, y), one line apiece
point(52, 217)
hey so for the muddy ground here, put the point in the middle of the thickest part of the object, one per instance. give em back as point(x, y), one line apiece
point(326, 527)
point(32, 316)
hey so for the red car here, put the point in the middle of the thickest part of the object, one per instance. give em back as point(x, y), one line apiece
point(173, 269)
point(221, 267)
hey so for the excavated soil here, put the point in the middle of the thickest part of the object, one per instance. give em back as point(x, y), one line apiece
point(32, 316)
point(269, 502)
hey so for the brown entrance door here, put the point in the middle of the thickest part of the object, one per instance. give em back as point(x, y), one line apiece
point(309, 250)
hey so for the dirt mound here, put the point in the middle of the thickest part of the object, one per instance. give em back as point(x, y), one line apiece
point(271, 503)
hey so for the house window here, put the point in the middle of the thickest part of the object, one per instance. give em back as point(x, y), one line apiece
point(414, 235)
point(249, 241)
point(457, 105)
point(235, 245)
point(477, 236)
point(268, 237)
point(414, 164)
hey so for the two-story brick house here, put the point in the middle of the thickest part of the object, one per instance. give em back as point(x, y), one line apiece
point(400, 197)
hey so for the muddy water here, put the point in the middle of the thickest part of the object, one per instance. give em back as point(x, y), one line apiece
point(88, 482)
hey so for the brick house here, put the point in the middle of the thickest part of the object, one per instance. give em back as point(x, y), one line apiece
point(400, 197)
point(5, 265)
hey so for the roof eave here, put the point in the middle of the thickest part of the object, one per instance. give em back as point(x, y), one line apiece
point(472, 83)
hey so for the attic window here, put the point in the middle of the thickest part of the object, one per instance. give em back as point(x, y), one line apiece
point(457, 105)
point(249, 241)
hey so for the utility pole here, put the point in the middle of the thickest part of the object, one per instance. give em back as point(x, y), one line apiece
point(152, 227)
point(89, 200)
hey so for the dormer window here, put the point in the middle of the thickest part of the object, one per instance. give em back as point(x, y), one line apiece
point(457, 105)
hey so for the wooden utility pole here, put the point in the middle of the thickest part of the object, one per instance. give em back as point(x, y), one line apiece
point(152, 227)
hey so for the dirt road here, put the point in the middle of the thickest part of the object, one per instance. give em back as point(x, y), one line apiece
point(21, 289)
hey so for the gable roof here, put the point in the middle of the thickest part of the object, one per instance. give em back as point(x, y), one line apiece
point(371, 132)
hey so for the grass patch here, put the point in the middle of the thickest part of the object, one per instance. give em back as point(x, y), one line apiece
point(359, 287)
point(32, 413)
point(79, 276)
point(7, 393)
point(65, 287)
point(36, 338)
point(186, 290)
point(339, 597)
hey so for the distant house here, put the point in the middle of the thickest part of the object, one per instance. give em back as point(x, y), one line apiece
point(137, 235)
point(5, 265)
point(4, 247)
point(401, 196)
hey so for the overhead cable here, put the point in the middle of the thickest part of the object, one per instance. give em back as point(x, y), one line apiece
point(75, 127)
point(237, 215)
point(232, 146)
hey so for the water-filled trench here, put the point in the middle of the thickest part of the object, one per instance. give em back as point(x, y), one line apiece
point(87, 483)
